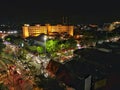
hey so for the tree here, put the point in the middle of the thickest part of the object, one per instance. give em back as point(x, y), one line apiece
point(32, 48)
point(52, 45)
point(22, 53)
point(71, 43)
point(3, 87)
point(48, 83)
point(1, 45)
point(40, 49)
point(14, 39)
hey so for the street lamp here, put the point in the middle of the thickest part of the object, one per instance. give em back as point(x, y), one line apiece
point(45, 38)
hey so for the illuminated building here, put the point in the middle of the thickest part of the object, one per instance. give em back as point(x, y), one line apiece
point(114, 25)
point(47, 29)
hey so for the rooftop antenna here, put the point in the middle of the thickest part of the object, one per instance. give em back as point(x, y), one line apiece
point(65, 20)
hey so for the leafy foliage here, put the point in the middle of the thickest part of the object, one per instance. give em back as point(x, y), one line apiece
point(1, 45)
point(52, 45)
point(48, 83)
point(14, 39)
point(40, 49)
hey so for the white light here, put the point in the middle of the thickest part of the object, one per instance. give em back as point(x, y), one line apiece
point(79, 46)
point(45, 38)
point(4, 32)
point(15, 31)
point(22, 44)
point(26, 25)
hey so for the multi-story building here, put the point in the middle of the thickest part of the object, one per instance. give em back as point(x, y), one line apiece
point(46, 29)
point(114, 25)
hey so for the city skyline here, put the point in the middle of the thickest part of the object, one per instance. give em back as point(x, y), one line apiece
point(24, 11)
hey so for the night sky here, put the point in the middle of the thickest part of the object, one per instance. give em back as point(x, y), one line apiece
point(52, 11)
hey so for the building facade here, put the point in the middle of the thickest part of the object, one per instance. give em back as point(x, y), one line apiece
point(114, 25)
point(46, 29)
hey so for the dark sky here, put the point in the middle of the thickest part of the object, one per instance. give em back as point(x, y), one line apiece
point(52, 11)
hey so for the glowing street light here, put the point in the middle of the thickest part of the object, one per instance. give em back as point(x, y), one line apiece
point(45, 38)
